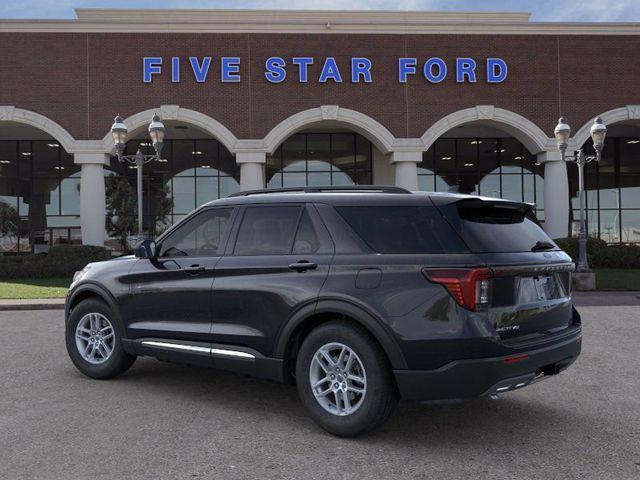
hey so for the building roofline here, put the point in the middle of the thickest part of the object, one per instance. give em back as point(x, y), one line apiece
point(311, 21)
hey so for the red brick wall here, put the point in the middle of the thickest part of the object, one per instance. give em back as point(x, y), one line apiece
point(82, 80)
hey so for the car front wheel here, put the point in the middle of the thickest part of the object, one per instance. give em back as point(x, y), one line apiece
point(93, 339)
point(344, 379)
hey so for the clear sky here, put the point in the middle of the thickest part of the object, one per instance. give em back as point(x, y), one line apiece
point(543, 10)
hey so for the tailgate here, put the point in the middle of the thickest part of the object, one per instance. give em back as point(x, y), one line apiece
point(529, 301)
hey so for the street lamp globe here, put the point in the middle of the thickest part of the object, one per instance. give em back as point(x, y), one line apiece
point(119, 133)
point(562, 133)
point(156, 132)
point(598, 132)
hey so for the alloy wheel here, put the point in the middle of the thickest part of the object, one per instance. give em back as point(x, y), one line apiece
point(95, 338)
point(338, 379)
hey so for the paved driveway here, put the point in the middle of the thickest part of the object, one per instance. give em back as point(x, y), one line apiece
point(166, 421)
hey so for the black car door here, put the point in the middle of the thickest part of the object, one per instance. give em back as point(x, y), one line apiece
point(171, 294)
point(276, 261)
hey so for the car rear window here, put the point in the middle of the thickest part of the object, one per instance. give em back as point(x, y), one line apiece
point(405, 229)
point(494, 227)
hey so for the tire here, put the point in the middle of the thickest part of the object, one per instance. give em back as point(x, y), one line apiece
point(368, 410)
point(102, 366)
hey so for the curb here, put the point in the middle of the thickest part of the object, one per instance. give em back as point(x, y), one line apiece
point(19, 305)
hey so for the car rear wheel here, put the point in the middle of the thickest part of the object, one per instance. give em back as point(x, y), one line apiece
point(344, 379)
point(93, 339)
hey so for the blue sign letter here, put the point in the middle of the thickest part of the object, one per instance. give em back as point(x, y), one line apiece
point(150, 66)
point(175, 69)
point(496, 70)
point(406, 66)
point(428, 70)
point(465, 67)
point(360, 66)
point(275, 69)
point(230, 70)
point(200, 71)
point(303, 65)
point(330, 71)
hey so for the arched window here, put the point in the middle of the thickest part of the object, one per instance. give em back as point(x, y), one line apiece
point(321, 159)
point(39, 191)
point(492, 167)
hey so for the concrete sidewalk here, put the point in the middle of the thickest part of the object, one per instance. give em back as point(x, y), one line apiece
point(580, 299)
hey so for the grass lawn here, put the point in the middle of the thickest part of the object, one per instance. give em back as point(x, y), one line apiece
point(617, 279)
point(34, 288)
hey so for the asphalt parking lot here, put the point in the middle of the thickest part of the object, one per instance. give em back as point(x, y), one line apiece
point(165, 421)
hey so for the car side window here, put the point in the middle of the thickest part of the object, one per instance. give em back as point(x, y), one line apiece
point(306, 238)
point(268, 230)
point(199, 236)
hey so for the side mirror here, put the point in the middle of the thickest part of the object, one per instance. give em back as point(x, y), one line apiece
point(146, 249)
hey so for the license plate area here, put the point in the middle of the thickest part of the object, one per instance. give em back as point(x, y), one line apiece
point(540, 288)
point(541, 284)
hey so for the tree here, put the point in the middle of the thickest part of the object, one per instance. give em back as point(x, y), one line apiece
point(122, 208)
point(9, 221)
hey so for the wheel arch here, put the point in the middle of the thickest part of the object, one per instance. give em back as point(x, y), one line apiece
point(86, 291)
point(307, 319)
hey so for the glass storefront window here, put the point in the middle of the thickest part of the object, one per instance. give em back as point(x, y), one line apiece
point(320, 159)
point(191, 173)
point(612, 189)
point(492, 167)
point(39, 195)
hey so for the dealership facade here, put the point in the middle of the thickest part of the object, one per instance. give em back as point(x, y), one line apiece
point(461, 102)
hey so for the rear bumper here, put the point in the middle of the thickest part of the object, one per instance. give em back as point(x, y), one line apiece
point(471, 378)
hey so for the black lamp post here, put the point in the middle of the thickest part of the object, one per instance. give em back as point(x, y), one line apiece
point(156, 132)
point(562, 133)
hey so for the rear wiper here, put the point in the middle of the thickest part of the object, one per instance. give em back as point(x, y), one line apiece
point(542, 246)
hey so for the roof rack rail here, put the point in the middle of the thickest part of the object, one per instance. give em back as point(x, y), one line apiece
point(327, 188)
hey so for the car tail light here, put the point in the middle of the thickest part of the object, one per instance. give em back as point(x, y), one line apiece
point(470, 287)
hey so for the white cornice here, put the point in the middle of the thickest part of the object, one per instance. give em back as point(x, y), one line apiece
point(316, 22)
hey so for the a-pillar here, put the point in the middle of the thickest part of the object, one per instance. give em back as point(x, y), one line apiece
point(251, 169)
point(556, 194)
point(92, 196)
point(406, 167)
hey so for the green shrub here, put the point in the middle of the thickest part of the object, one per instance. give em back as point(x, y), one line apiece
point(570, 245)
point(618, 256)
point(61, 261)
point(601, 255)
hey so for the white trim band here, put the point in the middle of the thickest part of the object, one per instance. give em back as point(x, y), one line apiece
point(193, 348)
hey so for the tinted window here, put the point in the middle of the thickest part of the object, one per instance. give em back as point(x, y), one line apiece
point(199, 236)
point(497, 226)
point(306, 238)
point(267, 230)
point(403, 229)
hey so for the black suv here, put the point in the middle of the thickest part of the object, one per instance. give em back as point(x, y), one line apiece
point(359, 295)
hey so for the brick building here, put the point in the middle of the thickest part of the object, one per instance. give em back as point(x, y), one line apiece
point(429, 101)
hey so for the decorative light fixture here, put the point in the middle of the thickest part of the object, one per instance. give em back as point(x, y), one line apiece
point(119, 133)
point(562, 133)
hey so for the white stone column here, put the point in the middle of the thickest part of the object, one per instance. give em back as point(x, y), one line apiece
point(556, 194)
point(251, 169)
point(92, 197)
point(406, 167)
